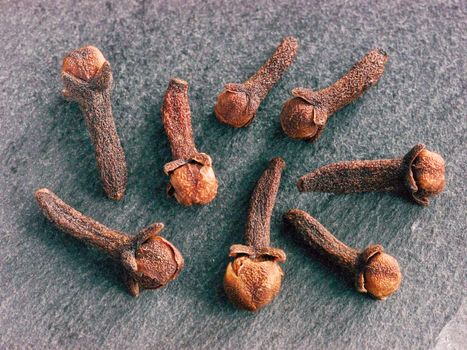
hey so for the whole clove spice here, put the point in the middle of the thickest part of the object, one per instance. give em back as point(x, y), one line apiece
point(373, 271)
point(192, 178)
point(420, 174)
point(254, 278)
point(304, 116)
point(237, 104)
point(149, 261)
point(87, 78)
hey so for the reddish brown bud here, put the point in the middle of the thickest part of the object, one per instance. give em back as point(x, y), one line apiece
point(429, 173)
point(158, 261)
point(381, 276)
point(193, 183)
point(84, 63)
point(251, 284)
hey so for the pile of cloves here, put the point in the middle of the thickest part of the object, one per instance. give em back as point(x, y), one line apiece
point(253, 279)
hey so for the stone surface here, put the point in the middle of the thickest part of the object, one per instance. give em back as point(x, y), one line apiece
point(56, 293)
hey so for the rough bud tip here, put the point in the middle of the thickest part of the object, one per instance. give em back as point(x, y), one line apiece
point(233, 108)
point(251, 284)
point(381, 276)
point(83, 63)
point(298, 119)
point(429, 173)
point(158, 262)
point(193, 183)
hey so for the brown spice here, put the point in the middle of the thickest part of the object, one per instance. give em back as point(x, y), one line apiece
point(192, 178)
point(373, 271)
point(237, 104)
point(254, 278)
point(149, 261)
point(305, 115)
point(87, 78)
point(420, 174)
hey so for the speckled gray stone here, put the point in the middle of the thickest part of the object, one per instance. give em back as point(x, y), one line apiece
point(56, 293)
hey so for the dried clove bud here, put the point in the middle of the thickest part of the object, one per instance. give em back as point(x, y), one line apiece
point(84, 63)
point(420, 174)
point(192, 179)
point(237, 104)
point(254, 278)
point(373, 271)
point(149, 261)
point(87, 78)
point(304, 116)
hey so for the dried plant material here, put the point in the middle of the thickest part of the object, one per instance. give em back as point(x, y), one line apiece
point(254, 278)
point(192, 178)
point(304, 116)
point(237, 104)
point(87, 78)
point(148, 260)
point(373, 271)
point(419, 174)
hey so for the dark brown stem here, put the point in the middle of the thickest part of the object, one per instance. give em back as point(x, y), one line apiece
point(372, 270)
point(362, 75)
point(321, 240)
point(176, 117)
point(93, 97)
point(305, 115)
point(420, 174)
point(355, 176)
point(148, 260)
point(237, 104)
point(257, 231)
point(273, 69)
point(80, 226)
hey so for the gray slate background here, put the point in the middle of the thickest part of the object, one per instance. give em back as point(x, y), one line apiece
point(56, 293)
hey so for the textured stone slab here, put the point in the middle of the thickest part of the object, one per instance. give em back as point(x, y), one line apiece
point(55, 293)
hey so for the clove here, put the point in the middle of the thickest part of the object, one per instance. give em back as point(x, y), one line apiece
point(254, 278)
point(88, 79)
point(237, 104)
point(304, 116)
point(149, 261)
point(420, 174)
point(373, 271)
point(192, 178)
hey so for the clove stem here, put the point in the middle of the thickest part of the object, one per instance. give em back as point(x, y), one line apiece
point(176, 117)
point(257, 232)
point(352, 85)
point(272, 70)
point(315, 235)
point(355, 176)
point(80, 226)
